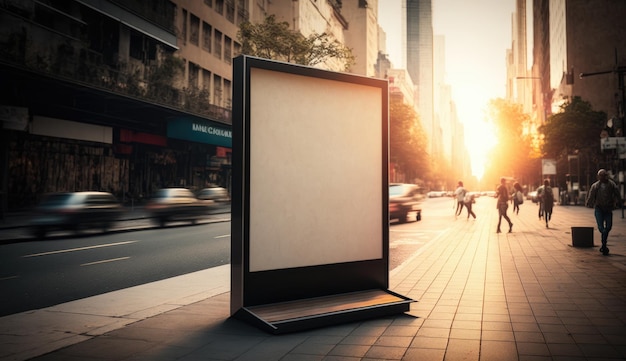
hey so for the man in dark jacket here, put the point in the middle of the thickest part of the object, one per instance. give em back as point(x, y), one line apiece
point(604, 196)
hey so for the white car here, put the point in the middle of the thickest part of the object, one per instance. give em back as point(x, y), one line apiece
point(435, 194)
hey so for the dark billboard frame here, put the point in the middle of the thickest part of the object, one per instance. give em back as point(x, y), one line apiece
point(290, 240)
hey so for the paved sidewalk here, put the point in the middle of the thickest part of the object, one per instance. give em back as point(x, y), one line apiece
point(527, 295)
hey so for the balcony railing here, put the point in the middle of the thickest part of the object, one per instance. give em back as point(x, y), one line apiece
point(69, 58)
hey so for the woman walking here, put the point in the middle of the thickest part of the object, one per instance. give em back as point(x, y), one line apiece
point(469, 200)
point(503, 204)
point(547, 201)
point(518, 197)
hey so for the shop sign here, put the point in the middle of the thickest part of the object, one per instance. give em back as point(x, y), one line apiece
point(199, 131)
point(548, 166)
point(618, 143)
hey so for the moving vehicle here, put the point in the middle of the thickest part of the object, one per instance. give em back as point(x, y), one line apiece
point(436, 194)
point(403, 199)
point(75, 211)
point(217, 194)
point(532, 196)
point(176, 204)
point(489, 193)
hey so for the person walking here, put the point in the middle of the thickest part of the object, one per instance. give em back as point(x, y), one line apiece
point(539, 202)
point(603, 197)
point(518, 197)
point(547, 201)
point(468, 201)
point(502, 193)
point(459, 193)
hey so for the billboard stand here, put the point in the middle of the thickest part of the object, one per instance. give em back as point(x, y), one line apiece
point(310, 223)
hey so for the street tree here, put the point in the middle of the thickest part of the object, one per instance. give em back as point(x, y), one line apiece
point(407, 141)
point(575, 130)
point(577, 126)
point(275, 40)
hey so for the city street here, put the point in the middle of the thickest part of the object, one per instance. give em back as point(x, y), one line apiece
point(67, 267)
point(406, 238)
point(512, 295)
point(38, 274)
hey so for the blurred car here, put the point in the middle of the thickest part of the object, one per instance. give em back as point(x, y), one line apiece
point(532, 196)
point(489, 193)
point(217, 194)
point(176, 204)
point(404, 199)
point(436, 194)
point(75, 211)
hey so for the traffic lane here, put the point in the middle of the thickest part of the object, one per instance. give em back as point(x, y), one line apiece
point(69, 270)
point(405, 239)
point(17, 231)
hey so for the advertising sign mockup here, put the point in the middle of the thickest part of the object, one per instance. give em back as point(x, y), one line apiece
point(310, 196)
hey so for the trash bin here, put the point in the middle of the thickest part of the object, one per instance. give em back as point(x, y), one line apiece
point(582, 236)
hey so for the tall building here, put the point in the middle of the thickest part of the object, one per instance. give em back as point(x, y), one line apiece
point(362, 34)
point(572, 37)
point(96, 96)
point(207, 40)
point(523, 80)
point(308, 17)
point(418, 30)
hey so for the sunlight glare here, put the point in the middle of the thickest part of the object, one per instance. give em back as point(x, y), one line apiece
point(479, 139)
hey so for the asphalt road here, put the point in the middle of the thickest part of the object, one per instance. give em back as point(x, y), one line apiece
point(407, 238)
point(39, 274)
point(36, 274)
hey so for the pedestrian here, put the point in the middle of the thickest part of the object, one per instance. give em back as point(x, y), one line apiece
point(468, 201)
point(547, 201)
point(539, 202)
point(459, 193)
point(518, 197)
point(603, 197)
point(502, 193)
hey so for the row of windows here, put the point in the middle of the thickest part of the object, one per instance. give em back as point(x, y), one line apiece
point(212, 40)
point(227, 9)
point(219, 88)
point(196, 31)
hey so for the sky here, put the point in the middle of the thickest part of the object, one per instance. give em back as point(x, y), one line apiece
point(477, 34)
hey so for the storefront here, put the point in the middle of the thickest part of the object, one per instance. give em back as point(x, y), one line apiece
point(59, 136)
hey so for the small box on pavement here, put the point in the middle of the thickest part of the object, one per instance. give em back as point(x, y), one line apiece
point(582, 236)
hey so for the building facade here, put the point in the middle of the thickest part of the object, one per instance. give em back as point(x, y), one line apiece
point(95, 97)
point(131, 96)
point(570, 37)
point(419, 59)
point(578, 50)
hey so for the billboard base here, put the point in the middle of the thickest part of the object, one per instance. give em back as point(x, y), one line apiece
point(299, 315)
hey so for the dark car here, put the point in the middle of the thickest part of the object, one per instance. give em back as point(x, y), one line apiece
point(177, 204)
point(404, 199)
point(75, 211)
point(217, 194)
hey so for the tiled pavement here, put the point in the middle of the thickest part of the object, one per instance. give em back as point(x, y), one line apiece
point(527, 295)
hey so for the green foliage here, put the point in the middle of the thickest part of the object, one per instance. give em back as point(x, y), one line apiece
point(575, 131)
point(275, 40)
point(407, 141)
point(576, 127)
point(167, 71)
point(161, 80)
point(196, 100)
